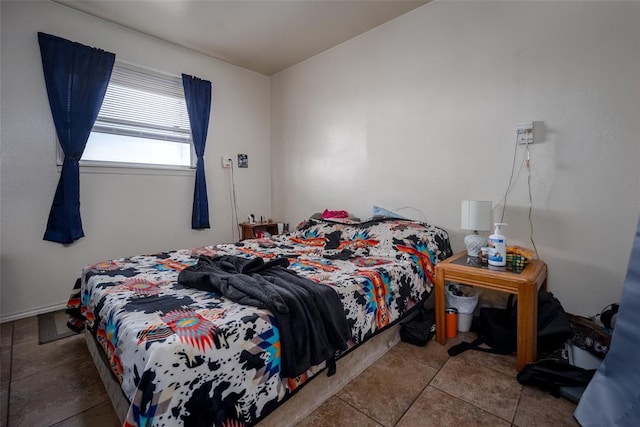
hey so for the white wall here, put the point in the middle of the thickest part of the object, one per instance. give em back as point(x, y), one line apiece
point(421, 112)
point(123, 213)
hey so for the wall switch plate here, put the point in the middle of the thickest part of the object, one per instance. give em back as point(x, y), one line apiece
point(524, 132)
point(226, 162)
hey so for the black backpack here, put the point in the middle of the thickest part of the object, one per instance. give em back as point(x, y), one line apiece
point(419, 329)
point(498, 327)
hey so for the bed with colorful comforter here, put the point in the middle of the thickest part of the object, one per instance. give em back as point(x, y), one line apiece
point(192, 356)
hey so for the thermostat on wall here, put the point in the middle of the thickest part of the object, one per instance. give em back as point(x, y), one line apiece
point(243, 161)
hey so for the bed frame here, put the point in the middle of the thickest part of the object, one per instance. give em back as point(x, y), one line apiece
point(309, 397)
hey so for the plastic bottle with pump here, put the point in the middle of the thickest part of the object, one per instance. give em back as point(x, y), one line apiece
point(497, 247)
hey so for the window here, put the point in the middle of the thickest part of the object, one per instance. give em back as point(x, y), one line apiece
point(143, 121)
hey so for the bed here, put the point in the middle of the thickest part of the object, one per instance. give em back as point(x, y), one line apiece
point(185, 354)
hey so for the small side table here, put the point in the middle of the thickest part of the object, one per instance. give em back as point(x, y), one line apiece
point(524, 285)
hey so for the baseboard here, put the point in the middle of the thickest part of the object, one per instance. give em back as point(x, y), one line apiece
point(31, 313)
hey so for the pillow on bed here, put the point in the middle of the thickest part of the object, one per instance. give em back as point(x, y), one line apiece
point(379, 211)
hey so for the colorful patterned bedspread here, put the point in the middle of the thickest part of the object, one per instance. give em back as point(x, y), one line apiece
point(190, 357)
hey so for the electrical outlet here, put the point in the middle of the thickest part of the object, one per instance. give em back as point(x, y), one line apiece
point(226, 162)
point(524, 133)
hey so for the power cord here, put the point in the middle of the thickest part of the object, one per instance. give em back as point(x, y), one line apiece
point(528, 165)
point(233, 213)
point(526, 162)
point(511, 181)
point(235, 219)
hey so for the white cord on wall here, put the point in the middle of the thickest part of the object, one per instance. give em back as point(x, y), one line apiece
point(525, 162)
point(511, 181)
point(528, 164)
point(235, 202)
point(234, 223)
point(235, 219)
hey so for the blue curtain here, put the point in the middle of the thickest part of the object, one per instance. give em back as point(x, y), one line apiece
point(76, 77)
point(197, 93)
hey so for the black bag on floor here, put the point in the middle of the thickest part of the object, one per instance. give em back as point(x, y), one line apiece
point(554, 328)
point(551, 375)
point(495, 329)
point(498, 328)
point(419, 329)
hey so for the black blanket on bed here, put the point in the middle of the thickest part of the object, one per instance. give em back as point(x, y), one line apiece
point(310, 316)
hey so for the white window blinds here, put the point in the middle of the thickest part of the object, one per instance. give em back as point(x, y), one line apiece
point(144, 105)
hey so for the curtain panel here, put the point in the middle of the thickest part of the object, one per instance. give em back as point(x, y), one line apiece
point(76, 77)
point(612, 398)
point(197, 93)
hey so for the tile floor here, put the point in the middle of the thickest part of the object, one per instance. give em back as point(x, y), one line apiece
point(56, 384)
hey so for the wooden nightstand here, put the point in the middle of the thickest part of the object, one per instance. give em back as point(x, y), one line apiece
point(251, 231)
point(524, 285)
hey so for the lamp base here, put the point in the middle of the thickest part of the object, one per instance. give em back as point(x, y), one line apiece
point(474, 242)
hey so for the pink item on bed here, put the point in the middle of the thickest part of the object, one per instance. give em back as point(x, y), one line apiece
point(334, 214)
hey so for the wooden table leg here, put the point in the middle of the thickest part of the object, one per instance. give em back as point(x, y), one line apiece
point(527, 324)
point(439, 290)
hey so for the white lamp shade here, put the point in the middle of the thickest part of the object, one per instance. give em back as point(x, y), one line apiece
point(476, 215)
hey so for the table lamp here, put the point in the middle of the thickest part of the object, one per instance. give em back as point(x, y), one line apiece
point(475, 215)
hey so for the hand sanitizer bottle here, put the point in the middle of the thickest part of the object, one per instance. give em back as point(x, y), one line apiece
point(497, 247)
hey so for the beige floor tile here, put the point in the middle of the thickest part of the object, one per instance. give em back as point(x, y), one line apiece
point(501, 363)
point(25, 330)
point(436, 408)
point(336, 413)
point(386, 389)
point(480, 386)
point(102, 415)
point(538, 408)
point(433, 354)
point(55, 395)
point(29, 357)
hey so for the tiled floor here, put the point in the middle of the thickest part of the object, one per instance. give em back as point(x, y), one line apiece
point(56, 384)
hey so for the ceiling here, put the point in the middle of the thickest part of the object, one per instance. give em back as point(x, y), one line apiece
point(264, 36)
